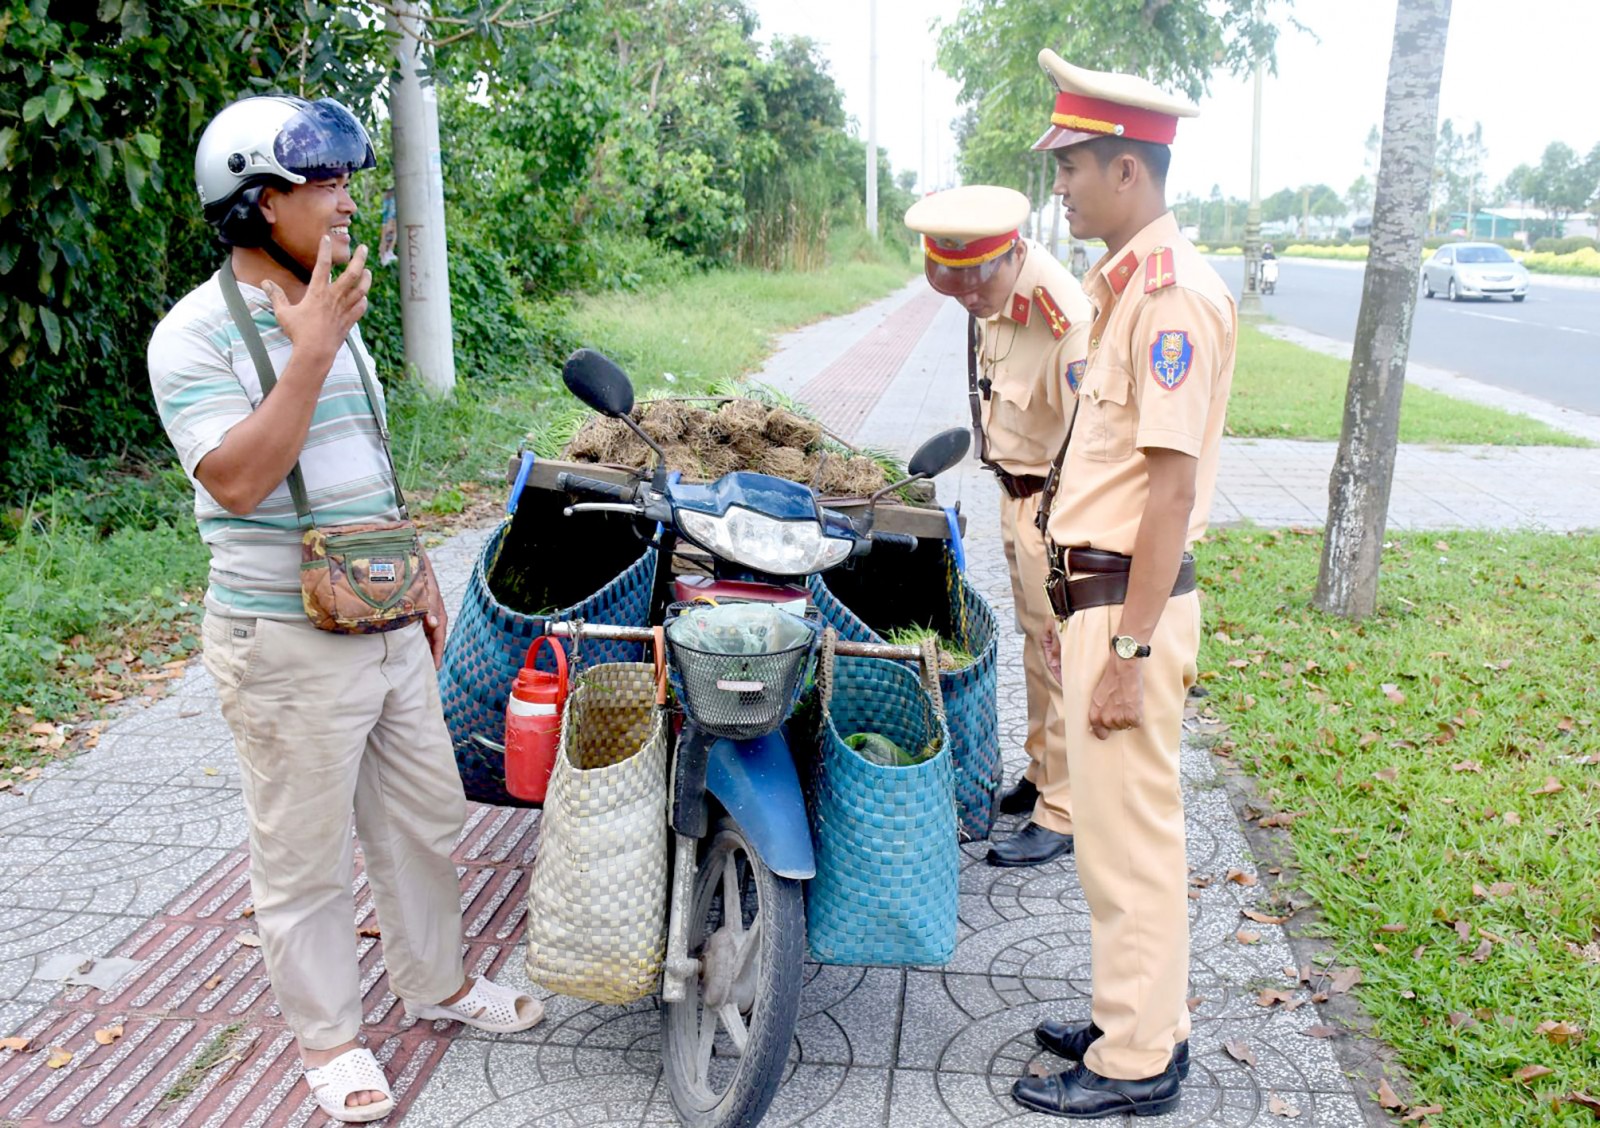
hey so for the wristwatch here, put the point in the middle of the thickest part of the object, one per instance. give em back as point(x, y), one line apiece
point(1126, 646)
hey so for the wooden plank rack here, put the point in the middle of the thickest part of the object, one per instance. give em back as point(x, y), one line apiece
point(928, 524)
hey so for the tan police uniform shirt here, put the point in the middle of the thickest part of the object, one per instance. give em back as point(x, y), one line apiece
point(1033, 352)
point(1160, 365)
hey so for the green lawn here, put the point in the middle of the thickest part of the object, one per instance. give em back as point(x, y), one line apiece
point(1285, 391)
point(1439, 765)
point(99, 590)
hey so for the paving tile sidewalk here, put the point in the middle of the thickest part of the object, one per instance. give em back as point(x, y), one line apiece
point(134, 850)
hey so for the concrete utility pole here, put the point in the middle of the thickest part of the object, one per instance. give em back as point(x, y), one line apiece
point(1249, 296)
point(872, 119)
point(419, 206)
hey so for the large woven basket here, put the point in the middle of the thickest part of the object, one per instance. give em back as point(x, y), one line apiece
point(926, 587)
point(888, 862)
point(598, 893)
point(488, 644)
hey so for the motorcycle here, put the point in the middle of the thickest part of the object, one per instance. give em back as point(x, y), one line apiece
point(1268, 276)
point(741, 839)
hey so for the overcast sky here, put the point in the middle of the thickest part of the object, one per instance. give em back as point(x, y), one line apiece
point(1522, 68)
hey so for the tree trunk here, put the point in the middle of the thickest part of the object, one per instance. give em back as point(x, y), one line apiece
point(1363, 471)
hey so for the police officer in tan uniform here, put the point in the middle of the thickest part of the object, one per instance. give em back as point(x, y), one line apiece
point(1134, 494)
point(1027, 333)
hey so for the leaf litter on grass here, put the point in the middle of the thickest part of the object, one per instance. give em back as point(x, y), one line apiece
point(1473, 802)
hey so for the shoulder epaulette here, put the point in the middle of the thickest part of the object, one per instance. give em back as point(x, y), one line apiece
point(1053, 315)
point(1119, 275)
point(1158, 270)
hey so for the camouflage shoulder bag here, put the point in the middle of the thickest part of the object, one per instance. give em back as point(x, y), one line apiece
point(354, 579)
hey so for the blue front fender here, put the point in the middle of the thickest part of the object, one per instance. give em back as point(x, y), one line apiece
point(756, 782)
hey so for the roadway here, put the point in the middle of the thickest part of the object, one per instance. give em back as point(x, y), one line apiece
point(1547, 346)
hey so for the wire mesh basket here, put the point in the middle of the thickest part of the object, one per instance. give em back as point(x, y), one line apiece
point(739, 696)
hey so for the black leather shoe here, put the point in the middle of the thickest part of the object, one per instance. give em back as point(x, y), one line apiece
point(1033, 845)
point(1072, 1040)
point(1082, 1094)
point(1020, 799)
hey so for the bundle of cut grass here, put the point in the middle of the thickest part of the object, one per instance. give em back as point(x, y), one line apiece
point(952, 656)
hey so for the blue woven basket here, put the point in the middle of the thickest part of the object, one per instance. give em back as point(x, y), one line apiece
point(488, 644)
point(971, 708)
point(888, 863)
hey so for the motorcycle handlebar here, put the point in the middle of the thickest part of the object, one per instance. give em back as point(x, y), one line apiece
point(901, 540)
point(577, 483)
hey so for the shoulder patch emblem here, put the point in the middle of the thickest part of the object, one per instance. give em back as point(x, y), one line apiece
point(1118, 276)
point(1158, 270)
point(1075, 374)
point(1053, 316)
point(1171, 356)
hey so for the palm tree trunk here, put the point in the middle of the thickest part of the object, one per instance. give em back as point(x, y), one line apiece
point(1363, 471)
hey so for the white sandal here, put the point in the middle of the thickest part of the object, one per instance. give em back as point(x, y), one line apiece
point(487, 1006)
point(354, 1071)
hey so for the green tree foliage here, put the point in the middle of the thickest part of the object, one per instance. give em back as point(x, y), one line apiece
point(586, 144)
point(992, 48)
point(99, 228)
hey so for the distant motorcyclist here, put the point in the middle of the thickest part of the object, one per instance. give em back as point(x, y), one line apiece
point(1266, 252)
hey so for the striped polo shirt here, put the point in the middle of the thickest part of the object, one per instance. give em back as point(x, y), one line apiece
point(204, 382)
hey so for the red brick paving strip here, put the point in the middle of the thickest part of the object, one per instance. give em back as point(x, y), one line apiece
point(843, 394)
point(196, 982)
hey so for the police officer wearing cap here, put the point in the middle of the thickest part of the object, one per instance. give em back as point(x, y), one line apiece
point(1027, 332)
point(1138, 471)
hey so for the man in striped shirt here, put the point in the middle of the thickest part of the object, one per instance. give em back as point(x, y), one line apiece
point(326, 725)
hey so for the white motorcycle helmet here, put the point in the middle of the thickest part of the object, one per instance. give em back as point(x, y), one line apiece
point(274, 140)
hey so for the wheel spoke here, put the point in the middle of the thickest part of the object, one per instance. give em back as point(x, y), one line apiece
point(732, 903)
point(708, 1040)
point(733, 1022)
point(748, 946)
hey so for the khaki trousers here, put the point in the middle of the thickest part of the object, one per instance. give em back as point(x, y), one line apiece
point(1130, 840)
point(326, 725)
point(1046, 743)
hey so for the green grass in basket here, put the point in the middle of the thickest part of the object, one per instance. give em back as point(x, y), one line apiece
point(951, 656)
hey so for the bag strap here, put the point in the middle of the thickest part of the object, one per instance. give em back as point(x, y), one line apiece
point(1052, 481)
point(825, 666)
point(930, 674)
point(980, 444)
point(269, 379)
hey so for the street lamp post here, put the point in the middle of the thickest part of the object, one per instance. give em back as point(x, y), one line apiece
point(1250, 297)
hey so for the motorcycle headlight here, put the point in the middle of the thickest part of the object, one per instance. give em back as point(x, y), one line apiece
point(779, 548)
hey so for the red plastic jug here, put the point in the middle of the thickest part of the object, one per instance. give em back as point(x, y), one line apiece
point(533, 724)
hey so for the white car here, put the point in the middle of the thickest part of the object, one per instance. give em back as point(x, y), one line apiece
point(1474, 270)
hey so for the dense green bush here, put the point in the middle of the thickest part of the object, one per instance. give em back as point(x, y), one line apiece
point(1565, 246)
point(597, 146)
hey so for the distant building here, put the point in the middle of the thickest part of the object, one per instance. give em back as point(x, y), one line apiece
point(1513, 221)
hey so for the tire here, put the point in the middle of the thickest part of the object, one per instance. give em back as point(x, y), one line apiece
point(1519, 297)
point(713, 1085)
point(1427, 287)
point(1450, 291)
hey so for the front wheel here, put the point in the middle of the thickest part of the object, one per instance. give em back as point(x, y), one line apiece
point(1519, 297)
point(1450, 291)
point(725, 1044)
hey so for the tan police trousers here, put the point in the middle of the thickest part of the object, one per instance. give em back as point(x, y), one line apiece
point(326, 725)
point(1046, 742)
point(1130, 839)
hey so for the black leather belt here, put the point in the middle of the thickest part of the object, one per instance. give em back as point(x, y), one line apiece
point(1019, 486)
point(1106, 582)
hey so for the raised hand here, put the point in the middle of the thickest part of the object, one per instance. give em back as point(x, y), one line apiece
point(330, 307)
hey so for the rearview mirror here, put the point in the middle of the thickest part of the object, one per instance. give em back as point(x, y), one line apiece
point(940, 453)
point(596, 380)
